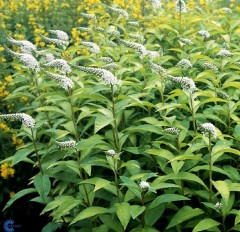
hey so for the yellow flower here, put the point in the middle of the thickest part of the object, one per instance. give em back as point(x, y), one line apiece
point(8, 78)
point(1, 49)
point(11, 194)
point(6, 170)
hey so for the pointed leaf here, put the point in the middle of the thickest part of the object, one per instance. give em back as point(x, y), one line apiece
point(123, 213)
point(205, 224)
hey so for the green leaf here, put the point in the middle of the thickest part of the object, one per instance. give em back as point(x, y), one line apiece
point(55, 110)
point(21, 155)
point(101, 183)
point(136, 210)
point(43, 186)
point(223, 189)
point(101, 121)
point(19, 195)
point(167, 198)
point(205, 224)
point(89, 212)
point(50, 227)
point(184, 214)
point(123, 213)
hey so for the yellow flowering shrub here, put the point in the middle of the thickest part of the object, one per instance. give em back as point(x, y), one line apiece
point(6, 170)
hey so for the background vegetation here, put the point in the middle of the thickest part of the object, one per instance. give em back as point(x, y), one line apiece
point(136, 131)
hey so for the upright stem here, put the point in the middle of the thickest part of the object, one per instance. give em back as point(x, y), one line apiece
point(36, 151)
point(193, 113)
point(116, 178)
point(115, 130)
point(142, 203)
point(210, 167)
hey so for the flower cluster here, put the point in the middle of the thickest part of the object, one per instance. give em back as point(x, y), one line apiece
point(92, 47)
point(107, 59)
point(65, 82)
point(139, 48)
point(49, 57)
point(28, 59)
point(204, 33)
point(208, 129)
point(154, 54)
point(6, 170)
point(61, 39)
point(157, 68)
point(181, 6)
point(113, 32)
point(112, 44)
point(66, 144)
point(186, 83)
point(24, 45)
point(119, 11)
point(60, 64)
point(218, 206)
point(172, 130)
point(186, 41)
point(26, 119)
point(156, 4)
point(110, 66)
point(137, 36)
point(208, 65)
point(133, 23)
point(88, 16)
point(184, 63)
point(144, 185)
point(224, 53)
point(223, 95)
point(227, 10)
point(111, 152)
point(104, 74)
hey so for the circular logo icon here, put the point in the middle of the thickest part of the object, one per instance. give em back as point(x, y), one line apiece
point(8, 225)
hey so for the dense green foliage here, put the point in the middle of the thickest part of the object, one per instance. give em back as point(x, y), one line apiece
point(144, 140)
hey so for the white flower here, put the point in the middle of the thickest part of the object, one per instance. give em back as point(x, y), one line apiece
point(67, 144)
point(137, 36)
point(209, 129)
point(104, 74)
point(26, 119)
point(184, 63)
point(60, 64)
point(198, 9)
point(139, 48)
point(156, 4)
point(65, 82)
point(49, 57)
point(110, 66)
point(208, 65)
point(111, 152)
point(157, 68)
point(218, 206)
point(204, 33)
point(186, 41)
point(61, 39)
point(107, 59)
point(144, 185)
point(88, 16)
point(186, 83)
point(227, 10)
point(27, 59)
point(60, 34)
point(224, 53)
point(172, 130)
point(99, 29)
point(181, 6)
point(133, 23)
point(119, 11)
point(153, 54)
point(113, 32)
point(24, 45)
point(92, 47)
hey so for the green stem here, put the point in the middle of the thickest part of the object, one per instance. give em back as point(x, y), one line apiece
point(116, 178)
point(115, 130)
point(143, 213)
point(193, 114)
point(36, 151)
point(210, 168)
